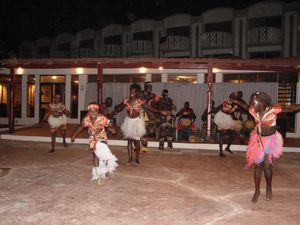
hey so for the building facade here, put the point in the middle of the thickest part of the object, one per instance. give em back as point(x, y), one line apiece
point(263, 30)
point(269, 29)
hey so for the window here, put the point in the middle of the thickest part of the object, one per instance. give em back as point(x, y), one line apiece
point(143, 36)
point(156, 77)
point(30, 95)
point(74, 96)
point(182, 78)
point(4, 81)
point(220, 26)
point(179, 31)
point(261, 55)
point(18, 96)
point(86, 44)
point(113, 40)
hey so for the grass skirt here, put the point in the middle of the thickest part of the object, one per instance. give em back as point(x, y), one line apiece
point(57, 122)
point(272, 146)
point(224, 121)
point(133, 128)
point(107, 161)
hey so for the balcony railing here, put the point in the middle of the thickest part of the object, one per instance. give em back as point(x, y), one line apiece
point(264, 35)
point(82, 53)
point(216, 39)
point(62, 54)
point(176, 43)
point(111, 50)
point(140, 47)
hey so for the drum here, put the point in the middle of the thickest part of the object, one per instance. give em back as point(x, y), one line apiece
point(186, 122)
point(249, 125)
point(238, 125)
point(195, 135)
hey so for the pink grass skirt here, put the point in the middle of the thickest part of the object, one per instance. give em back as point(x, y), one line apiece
point(272, 146)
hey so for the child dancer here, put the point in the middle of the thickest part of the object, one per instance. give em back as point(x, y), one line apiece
point(103, 160)
point(265, 144)
point(57, 118)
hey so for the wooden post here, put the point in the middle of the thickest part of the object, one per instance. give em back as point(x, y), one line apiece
point(100, 84)
point(11, 111)
point(209, 100)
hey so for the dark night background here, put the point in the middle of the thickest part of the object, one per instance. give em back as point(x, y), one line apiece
point(31, 19)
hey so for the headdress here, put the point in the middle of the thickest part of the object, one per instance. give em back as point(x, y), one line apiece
point(93, 106)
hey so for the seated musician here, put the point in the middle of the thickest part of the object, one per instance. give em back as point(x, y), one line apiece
point(186, 118)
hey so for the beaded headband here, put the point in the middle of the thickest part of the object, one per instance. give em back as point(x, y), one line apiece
point(93, 106)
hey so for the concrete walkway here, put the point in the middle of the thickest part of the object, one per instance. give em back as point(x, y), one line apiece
point(180, 187)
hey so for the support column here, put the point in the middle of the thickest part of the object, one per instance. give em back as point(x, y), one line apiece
point(68, 91)
point(297, 125)
point(164, 78)
point(11, 111)
point(100, 84)
point(37, 98)
point(200, 78)
point(82, 92)
point(209, 100)
point(148, 77)
point(219, 78)
point(24, 98)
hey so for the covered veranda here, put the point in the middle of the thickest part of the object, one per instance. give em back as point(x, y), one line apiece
point(106, 66)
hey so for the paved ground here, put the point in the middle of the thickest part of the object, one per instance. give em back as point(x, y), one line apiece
point(166, 188)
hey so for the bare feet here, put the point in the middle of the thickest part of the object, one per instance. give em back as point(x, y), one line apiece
point(137, 161)
point(255, 196)
point(221, 154)
point(269, 194)
point(130, 161)
point(227, 149)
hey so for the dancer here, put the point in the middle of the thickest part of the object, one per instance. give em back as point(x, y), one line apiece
point(133, 126)
point(104, 162)
point(265, 144)
point(227, 123)
point(57, 118)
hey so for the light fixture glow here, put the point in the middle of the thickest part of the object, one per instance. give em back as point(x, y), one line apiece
point(160, 68)
point(215, 70)
point(20, 70)
point(54, 77)
point(79, 70)
point(143, 70)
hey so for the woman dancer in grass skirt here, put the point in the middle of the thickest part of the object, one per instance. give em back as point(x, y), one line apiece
point(265, 144)
point(104, 161)
point(133, 127)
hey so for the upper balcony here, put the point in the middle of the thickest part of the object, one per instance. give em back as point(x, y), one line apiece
point(140, 47)
point(112, 50)
point(264, 35)
point(216, 39)
point(176, 43)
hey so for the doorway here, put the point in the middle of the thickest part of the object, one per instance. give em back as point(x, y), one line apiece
point(49, 86)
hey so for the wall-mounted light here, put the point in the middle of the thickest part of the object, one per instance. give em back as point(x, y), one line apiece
point(142, 70)
point(215, 70)
point(54, 77)
point(160, 68)
point(79, 70)
point(20, 70)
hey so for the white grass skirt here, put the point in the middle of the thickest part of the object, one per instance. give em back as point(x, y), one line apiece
point(224, 121)
point(56, 122)
point(133, 128)
point(107, 161)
